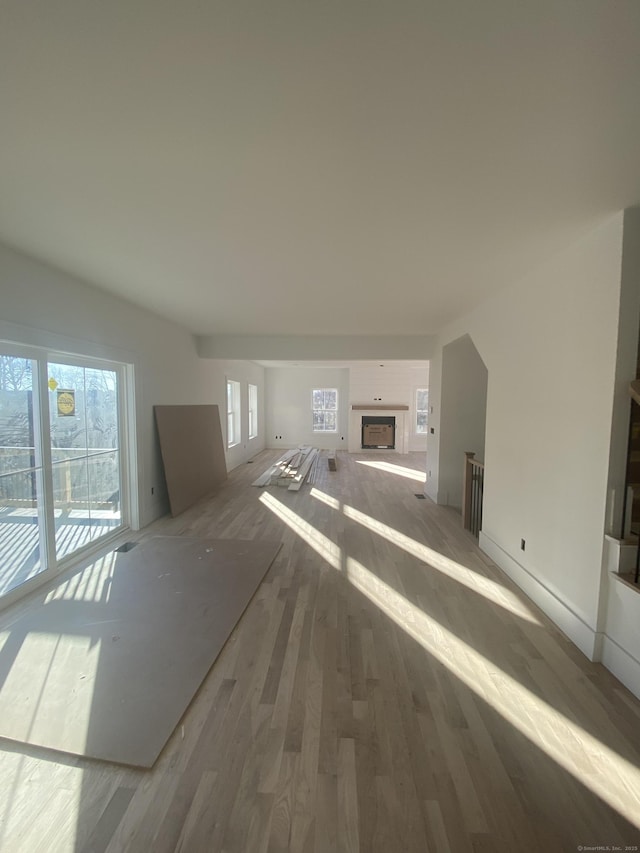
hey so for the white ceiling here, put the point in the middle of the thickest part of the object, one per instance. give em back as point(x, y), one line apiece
point(251, 167)
point(359, 364)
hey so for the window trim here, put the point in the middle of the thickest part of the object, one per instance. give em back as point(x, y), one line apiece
point(42, 357)
point(314, 410)
point(234, 414)
point(252, 399)
point(418, 411)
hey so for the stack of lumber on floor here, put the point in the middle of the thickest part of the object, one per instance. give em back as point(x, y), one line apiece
point(311, 478)
point(291, 469)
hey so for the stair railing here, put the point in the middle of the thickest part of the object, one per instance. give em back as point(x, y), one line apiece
point(472, 491)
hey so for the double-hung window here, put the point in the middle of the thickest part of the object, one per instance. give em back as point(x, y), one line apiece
point(253, 411)
point(422, 410)
point(233, 413)
point(325, 409)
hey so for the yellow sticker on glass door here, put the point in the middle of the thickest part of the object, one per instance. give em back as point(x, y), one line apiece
point(66, 403)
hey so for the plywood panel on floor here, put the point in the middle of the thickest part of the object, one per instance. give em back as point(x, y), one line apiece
point(109, 672)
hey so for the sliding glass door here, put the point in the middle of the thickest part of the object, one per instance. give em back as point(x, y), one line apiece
point(21, 484)
point(85, 454)
point(60, 461)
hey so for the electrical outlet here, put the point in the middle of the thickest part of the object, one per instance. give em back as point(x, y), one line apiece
point(522, 544)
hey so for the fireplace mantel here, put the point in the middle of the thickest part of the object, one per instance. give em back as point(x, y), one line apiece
point(386, 407)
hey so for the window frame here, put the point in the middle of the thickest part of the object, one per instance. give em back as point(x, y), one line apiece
point(252, 399)
point(324, 410)
point(234, 414)
point(54, 558)
point(419, 411)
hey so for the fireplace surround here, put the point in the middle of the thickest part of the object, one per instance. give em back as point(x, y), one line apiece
point(399, 412)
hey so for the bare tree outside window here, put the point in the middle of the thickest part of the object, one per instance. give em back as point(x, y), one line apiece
point(253, 411)
point(422, 410)
point(325, 409)
point(233, 413)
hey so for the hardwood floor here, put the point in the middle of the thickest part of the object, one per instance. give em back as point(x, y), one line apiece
point(387, 689)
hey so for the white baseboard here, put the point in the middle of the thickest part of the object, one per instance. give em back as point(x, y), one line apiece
point(585, 638)
point(623, 665)
point(431, 492)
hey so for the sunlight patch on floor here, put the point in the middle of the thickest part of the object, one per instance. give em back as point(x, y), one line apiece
point(320, 543)
point(334, 503)
point(491, 590)
point(604, 772)
point(40, 659)
point(611, 777)
point(23, 829)
point(390, 468)
point(90, 584)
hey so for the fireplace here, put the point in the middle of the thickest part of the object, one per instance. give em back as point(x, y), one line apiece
point(395, 439)
point(378, 432)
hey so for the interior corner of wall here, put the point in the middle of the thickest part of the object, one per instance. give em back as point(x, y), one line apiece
point(598, 645)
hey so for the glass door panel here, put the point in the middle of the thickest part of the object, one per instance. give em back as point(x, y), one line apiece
point(20, 475)
point(103, 450)
point(71, 505)
point(84, 423)
point(60, 461)
point(20, 551)
point(67, 425)
point(104, 493)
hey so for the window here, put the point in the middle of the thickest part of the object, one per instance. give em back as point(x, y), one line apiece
point(253, 411)
point(422, 410)
point(233, 413)
point(61, 460)
point(325, 409)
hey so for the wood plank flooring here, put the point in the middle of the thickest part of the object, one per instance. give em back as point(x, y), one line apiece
point(387, 689)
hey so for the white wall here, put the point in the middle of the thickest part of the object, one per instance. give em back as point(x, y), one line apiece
point(244, 372)
point(549, 344)
point(288, 406)
point(42, 306)
point(392, 383)
point(463, 407)
point(288, 395)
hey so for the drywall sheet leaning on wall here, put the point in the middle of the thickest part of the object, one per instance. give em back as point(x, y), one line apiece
point(192, 453)
point(106, 665)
